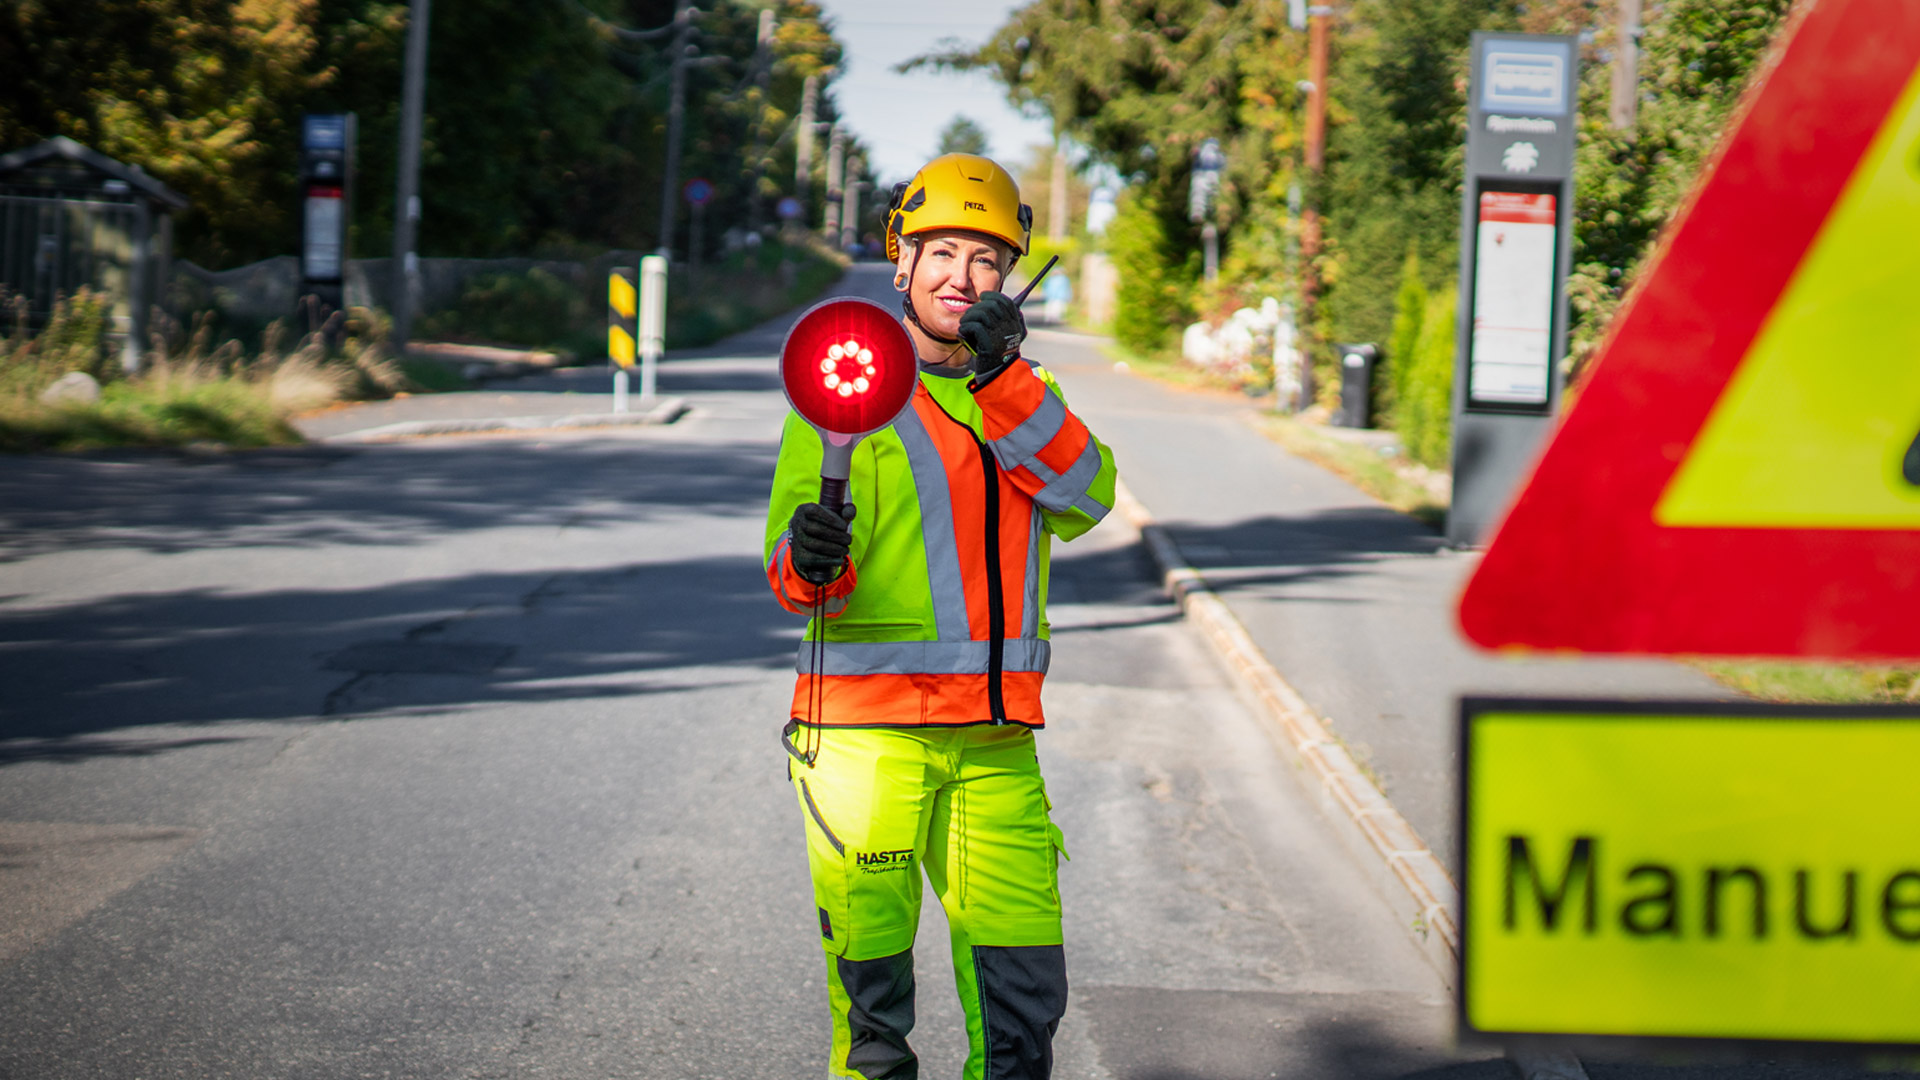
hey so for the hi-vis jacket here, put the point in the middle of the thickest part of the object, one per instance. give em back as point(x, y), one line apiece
point(940, 616)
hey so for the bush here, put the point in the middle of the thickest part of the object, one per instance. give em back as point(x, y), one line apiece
point(1424, 410)
point(74, 339)
point(1409, 313)
point(1153, 303)
point(534, 309)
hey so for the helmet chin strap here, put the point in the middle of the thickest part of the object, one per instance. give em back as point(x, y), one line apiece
point(906, 302)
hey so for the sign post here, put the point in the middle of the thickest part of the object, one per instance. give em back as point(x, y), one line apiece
point(1515, 252)
point(326, 190)
point(1735, 476)
point(1740, 476)
point(1681, 871)
point(622, 306)
point(653, 322)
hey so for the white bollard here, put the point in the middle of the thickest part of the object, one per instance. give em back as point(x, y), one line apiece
point(619, 389)
point(653, 321)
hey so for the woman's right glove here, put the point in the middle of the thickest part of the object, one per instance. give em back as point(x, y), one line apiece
point(821, 540)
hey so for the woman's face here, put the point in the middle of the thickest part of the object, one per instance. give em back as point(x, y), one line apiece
point(952, 270)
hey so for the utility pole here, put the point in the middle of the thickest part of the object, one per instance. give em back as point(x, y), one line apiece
point(803, 139)
point(756, 164)
point(1625, 107)
point(1319, 18)
point(850, 205)
point(405, 284)
point(683, 49)
point(1057, 193)
point(836, 167)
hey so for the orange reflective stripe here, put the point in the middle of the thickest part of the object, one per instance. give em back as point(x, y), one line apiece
point(1007, 401)
point(916, 700)
point(1066, 447)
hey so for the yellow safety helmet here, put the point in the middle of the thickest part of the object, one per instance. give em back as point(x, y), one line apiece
point(959, 191)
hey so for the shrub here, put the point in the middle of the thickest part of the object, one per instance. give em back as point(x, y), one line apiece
point(1152, 305)
point(74, 339)
point(534, 309)
point(1424, 413)
point(1409, 314)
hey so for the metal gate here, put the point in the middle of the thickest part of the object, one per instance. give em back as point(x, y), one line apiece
point(51, 247)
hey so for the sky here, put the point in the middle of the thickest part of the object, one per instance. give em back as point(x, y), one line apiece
point(900, 116)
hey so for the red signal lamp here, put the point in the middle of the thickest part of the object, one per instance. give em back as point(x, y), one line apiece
point(849, 369)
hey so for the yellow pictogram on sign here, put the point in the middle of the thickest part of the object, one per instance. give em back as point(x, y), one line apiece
point(1750, 873)
point(622, 303)
point(1814, 429)
point(620, 346)
point(621, 296)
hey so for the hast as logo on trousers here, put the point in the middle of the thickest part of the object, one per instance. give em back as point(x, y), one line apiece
point(878, 862)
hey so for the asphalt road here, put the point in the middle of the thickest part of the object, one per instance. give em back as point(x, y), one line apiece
point(457, 758)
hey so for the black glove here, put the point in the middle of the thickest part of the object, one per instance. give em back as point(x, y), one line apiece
point(820, 541)
point(992, 330)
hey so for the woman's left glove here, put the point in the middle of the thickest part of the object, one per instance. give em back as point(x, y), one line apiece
point(992, 329)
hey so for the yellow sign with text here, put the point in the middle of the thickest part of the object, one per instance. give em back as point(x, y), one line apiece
point(1691, 871)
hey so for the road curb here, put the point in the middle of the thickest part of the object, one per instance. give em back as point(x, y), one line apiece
point(1413, 881)
point(665, 411)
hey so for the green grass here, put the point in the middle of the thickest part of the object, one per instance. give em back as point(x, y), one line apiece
point(231, 412)
point(1393, 481)
point(1386, 479)
point(1810, 682)
point(1166, 366)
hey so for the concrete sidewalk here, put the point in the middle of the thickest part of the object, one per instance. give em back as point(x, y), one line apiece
point(1351, 601)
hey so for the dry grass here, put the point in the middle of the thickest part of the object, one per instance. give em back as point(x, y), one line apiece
point(188, 390)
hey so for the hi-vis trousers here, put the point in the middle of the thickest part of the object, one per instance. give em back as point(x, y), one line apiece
point(966, 806)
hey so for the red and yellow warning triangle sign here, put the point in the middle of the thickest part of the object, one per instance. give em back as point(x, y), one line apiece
point(1740, 471)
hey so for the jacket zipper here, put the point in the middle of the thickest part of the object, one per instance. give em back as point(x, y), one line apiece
point(996, 601)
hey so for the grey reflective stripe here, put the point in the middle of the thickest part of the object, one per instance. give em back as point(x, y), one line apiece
point(923, 657)
point(1091, 507)
point(936, 529)
point(780, 549)
point(1030, 604)
point(1025, 442)
point(1061, 492)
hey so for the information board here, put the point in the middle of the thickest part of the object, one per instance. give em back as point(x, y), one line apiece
point(1690, 871)
point(1511, 352)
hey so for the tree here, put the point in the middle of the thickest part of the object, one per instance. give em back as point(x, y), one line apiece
point(545, 120)
point(962, 136)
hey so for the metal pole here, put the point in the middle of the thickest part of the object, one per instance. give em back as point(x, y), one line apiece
point(836, 165)
point(1210, 251)
point(676, 120)
point(406, 199)
point(1318, 19)
point(1625, 106)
